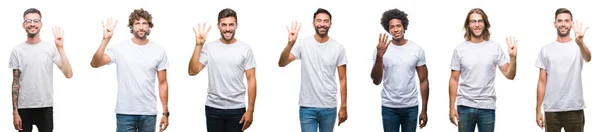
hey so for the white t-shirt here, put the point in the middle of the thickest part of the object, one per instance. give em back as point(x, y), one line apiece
point(319, 65)
point(477, 65)
point(35, 61)
point(226, 65)
point(563, 63)
point(399, 75)
point(137, 67)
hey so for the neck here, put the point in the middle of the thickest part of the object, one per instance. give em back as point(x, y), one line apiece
point(400, 41)
point(321, 39)
point(33, 40)
point(564, 39)
point(476, 39)
point(140, 41)
point(228, 42)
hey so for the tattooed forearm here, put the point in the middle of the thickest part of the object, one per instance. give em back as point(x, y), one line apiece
point(15, 88)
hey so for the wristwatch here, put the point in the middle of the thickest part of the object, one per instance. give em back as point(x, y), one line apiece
point(166, 114)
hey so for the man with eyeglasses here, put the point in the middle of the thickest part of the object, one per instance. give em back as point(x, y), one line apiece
point(474, 62)
point(32, 86)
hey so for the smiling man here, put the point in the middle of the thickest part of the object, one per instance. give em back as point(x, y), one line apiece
point(32, 67)
point(474, 63)
point(139, 61)
point(227, 60)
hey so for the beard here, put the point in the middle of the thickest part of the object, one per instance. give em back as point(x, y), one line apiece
point(228, 39)
point(146, 33)
point(32, 34)
point(563, 34)
point(322, 34)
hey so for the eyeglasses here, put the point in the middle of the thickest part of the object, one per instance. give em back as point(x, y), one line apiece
point(476, 21)
point(32, 21)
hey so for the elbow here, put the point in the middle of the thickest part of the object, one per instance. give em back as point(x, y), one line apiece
point(510, 78)
point(69, 75)
point(93, 65)
point(281, 64)
point(192, 73)
point(376, 82)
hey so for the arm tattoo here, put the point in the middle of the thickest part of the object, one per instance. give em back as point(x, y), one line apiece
point(15, 87)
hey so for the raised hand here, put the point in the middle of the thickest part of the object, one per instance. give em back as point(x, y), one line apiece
point(293, 32)
point(512, 46)
point(383, 44)
point(58, 36)
point(201, 32)
point(579, 31)
point(109, 27)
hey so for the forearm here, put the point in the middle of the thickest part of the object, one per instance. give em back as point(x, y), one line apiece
point(424, 94)
point(343, 93)
point(164, 95)
point(512, 67)
point(283, 58)
point(251, 95)
point(377, 71)
point(66, 65)
point(452, 92)
point(541, 92)
point(195, 61)
point(97, 59)
point(585, 52)
point(16, 86)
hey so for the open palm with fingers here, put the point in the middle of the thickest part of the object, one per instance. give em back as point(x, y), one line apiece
point(579, 31)
point(383, 44)
point(511, 42)
point(109, 27)
point(58, 36)
point(293, 32)
point(201, 31)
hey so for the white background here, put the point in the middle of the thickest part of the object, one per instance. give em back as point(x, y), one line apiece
point(86, 102)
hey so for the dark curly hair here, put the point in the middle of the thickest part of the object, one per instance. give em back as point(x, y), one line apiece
point(137, 14)
point(394, 14)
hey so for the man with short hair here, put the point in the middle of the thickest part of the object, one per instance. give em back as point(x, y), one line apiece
point(139, 61)
point(474, 62)
point(32, 86)
point(227, 60)
point(321, 56)
point(396, 62)
point(560, 83)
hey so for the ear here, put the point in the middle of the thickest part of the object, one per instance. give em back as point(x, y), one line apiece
point(554, 23)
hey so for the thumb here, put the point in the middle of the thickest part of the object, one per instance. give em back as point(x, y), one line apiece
point(242, 120)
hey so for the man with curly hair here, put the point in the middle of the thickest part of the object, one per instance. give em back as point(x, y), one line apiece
point(138, 61)
point(395, 63)
point(474, 62)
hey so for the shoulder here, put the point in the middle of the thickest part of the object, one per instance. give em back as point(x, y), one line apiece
point(336, 43)
point(414, 45)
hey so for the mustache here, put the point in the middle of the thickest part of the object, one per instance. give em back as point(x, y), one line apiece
point(228, 32)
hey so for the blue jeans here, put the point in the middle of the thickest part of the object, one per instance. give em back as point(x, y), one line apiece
point(136, 123)
point(312, 118)
point(484, 119)
point(224, 120)
point(393, 118)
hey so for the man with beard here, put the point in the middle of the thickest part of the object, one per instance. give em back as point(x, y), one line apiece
point(32, 87)
point(560, 84)
point(320, 56)
point(227, 59)
point(395, 66)
point(138, 61)
point(474, 61)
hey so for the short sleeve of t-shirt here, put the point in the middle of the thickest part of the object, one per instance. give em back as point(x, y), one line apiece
point(249, 62)
point(204, 56)
point(14, 60)
point(55, 55)
point(501, 59)
point(455, 64)
point(342, 57)
point(541, 60)
point(296, 50)
point(421, 57)
point(164, 61)
point(111, 53)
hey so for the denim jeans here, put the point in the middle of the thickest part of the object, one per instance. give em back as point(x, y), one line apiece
point(224, 120)
point(136, 123)
point(484, 119)
point(394, 118)
point(571, 121)
point(312, 118)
